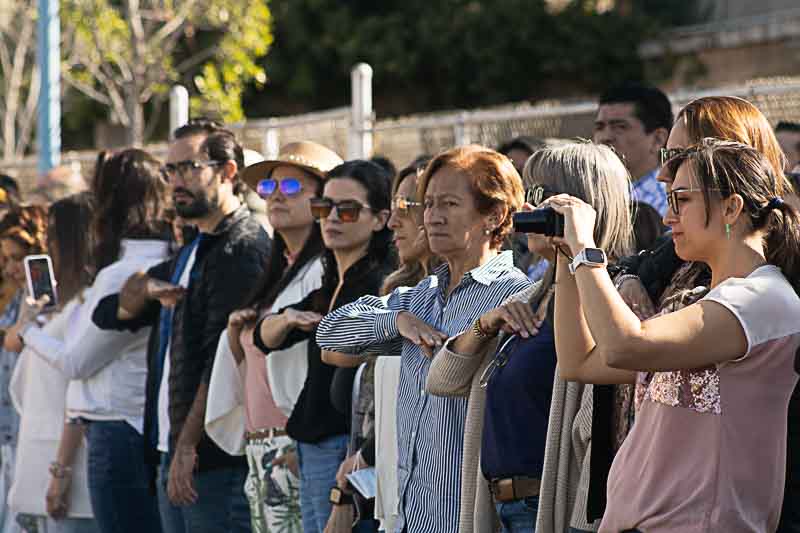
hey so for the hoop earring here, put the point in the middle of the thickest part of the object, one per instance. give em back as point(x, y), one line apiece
point(728, 231)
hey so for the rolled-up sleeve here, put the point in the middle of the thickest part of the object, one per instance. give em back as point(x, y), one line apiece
point(366, 326)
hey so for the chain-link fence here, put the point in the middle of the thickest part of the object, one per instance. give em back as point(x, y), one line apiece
point(402, 139)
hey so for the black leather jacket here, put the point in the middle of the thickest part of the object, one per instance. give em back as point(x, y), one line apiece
point(229, 264)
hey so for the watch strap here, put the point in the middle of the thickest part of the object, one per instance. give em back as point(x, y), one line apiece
point(582, 259)
point(339, 497)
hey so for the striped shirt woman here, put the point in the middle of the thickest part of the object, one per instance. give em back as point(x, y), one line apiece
point(430, 428)
point(469, 194)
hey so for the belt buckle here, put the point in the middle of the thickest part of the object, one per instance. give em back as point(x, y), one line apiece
point(503, 489)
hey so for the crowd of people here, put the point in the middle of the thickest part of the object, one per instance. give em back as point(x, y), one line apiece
point(399, 351)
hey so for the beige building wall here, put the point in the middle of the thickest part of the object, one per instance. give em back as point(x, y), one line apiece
point(741, 40)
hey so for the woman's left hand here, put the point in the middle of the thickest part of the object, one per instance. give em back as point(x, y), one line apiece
point(579, 220)
point(350, 465)
point(28, 312)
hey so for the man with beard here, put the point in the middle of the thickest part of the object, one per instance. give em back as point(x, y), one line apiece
point(187, 301)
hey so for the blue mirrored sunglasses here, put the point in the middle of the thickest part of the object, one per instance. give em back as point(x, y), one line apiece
point(288, 186)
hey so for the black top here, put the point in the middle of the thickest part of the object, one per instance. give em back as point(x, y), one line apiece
point(229, 262)
point(314, 417)
point(519, 389)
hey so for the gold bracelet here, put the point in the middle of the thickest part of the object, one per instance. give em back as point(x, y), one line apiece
point(479, 332)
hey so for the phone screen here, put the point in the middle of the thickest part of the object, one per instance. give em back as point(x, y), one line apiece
point(41, 279)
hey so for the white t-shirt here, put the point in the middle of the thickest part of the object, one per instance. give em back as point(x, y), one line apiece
point(163, 389)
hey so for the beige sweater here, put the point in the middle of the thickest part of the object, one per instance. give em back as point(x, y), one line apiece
point(453, 374)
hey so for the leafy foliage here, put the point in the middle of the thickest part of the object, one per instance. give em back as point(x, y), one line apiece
point(126, 54)
point(435, 54)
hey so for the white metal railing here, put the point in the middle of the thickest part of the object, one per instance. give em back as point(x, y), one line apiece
point(354, 132)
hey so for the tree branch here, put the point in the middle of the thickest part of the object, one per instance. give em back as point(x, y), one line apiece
point(196, 59)
point(85, 88)
point(28, 119)
point(152, 124)
point(174, 24)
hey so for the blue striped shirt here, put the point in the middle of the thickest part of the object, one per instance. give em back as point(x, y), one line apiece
point(650, 191)
point(430, 429)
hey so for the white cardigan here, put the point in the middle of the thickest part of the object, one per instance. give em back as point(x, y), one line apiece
point(108, 368)
point(38, 391)
point(286, 371)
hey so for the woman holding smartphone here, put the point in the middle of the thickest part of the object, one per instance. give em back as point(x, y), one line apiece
point(108, 368)
point(54, 459)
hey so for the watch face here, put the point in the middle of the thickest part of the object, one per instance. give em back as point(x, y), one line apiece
point(335, 495)
point(595, 255)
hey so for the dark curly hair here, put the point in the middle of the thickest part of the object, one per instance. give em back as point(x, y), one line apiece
point(27, 226)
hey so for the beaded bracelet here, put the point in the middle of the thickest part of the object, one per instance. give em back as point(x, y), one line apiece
point(59, 471)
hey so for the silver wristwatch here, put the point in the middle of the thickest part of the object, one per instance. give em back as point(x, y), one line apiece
point(593, 257)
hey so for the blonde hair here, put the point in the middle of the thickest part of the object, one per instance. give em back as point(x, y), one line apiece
point(596, 175)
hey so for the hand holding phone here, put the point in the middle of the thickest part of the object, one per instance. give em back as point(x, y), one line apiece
point(41, 281)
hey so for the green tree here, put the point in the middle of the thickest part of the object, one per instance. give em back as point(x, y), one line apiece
point(445, 54)
point(125, 54)
point(19, 76)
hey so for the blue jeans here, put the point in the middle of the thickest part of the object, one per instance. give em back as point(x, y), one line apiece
point(119, 488)
point(172, 520)
point(318, 463)
point(518, 516)
point(221, 505)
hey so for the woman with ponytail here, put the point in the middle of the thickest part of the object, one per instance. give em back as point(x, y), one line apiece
point(713, 379)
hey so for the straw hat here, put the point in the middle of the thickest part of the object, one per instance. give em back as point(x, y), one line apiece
point(307, 155)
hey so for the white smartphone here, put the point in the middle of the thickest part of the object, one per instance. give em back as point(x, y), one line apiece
point(41, 281)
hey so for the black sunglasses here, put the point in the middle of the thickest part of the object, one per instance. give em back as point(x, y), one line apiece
point(346, 210)
point(537, 194)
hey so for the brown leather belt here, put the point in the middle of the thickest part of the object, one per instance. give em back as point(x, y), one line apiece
point(265, 434)
point(514, 488)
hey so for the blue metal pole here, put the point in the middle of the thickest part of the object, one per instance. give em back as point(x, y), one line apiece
point(48, 131)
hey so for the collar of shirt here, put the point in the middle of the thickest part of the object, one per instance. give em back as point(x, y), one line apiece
point(484, 274)
point(226, 223)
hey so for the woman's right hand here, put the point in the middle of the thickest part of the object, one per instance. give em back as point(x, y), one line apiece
point(58, 496)
point(237, 321)
point(303, 320)
point(516, 318)
point(429, 339)
point(241, 318)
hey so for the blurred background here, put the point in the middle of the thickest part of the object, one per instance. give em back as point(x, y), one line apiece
point(443, 72)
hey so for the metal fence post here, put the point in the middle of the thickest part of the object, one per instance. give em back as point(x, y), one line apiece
point(271, 146)
point(360, 145)
point(178, 108)
point(460, 131)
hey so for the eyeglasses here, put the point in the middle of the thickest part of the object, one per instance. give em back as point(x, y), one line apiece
point(346, 210)
point(665, 154)
point(402, 205)
point(500, 360)
point(538, 194)
point(288, 186)
point(183, 168)
point(672, 197)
